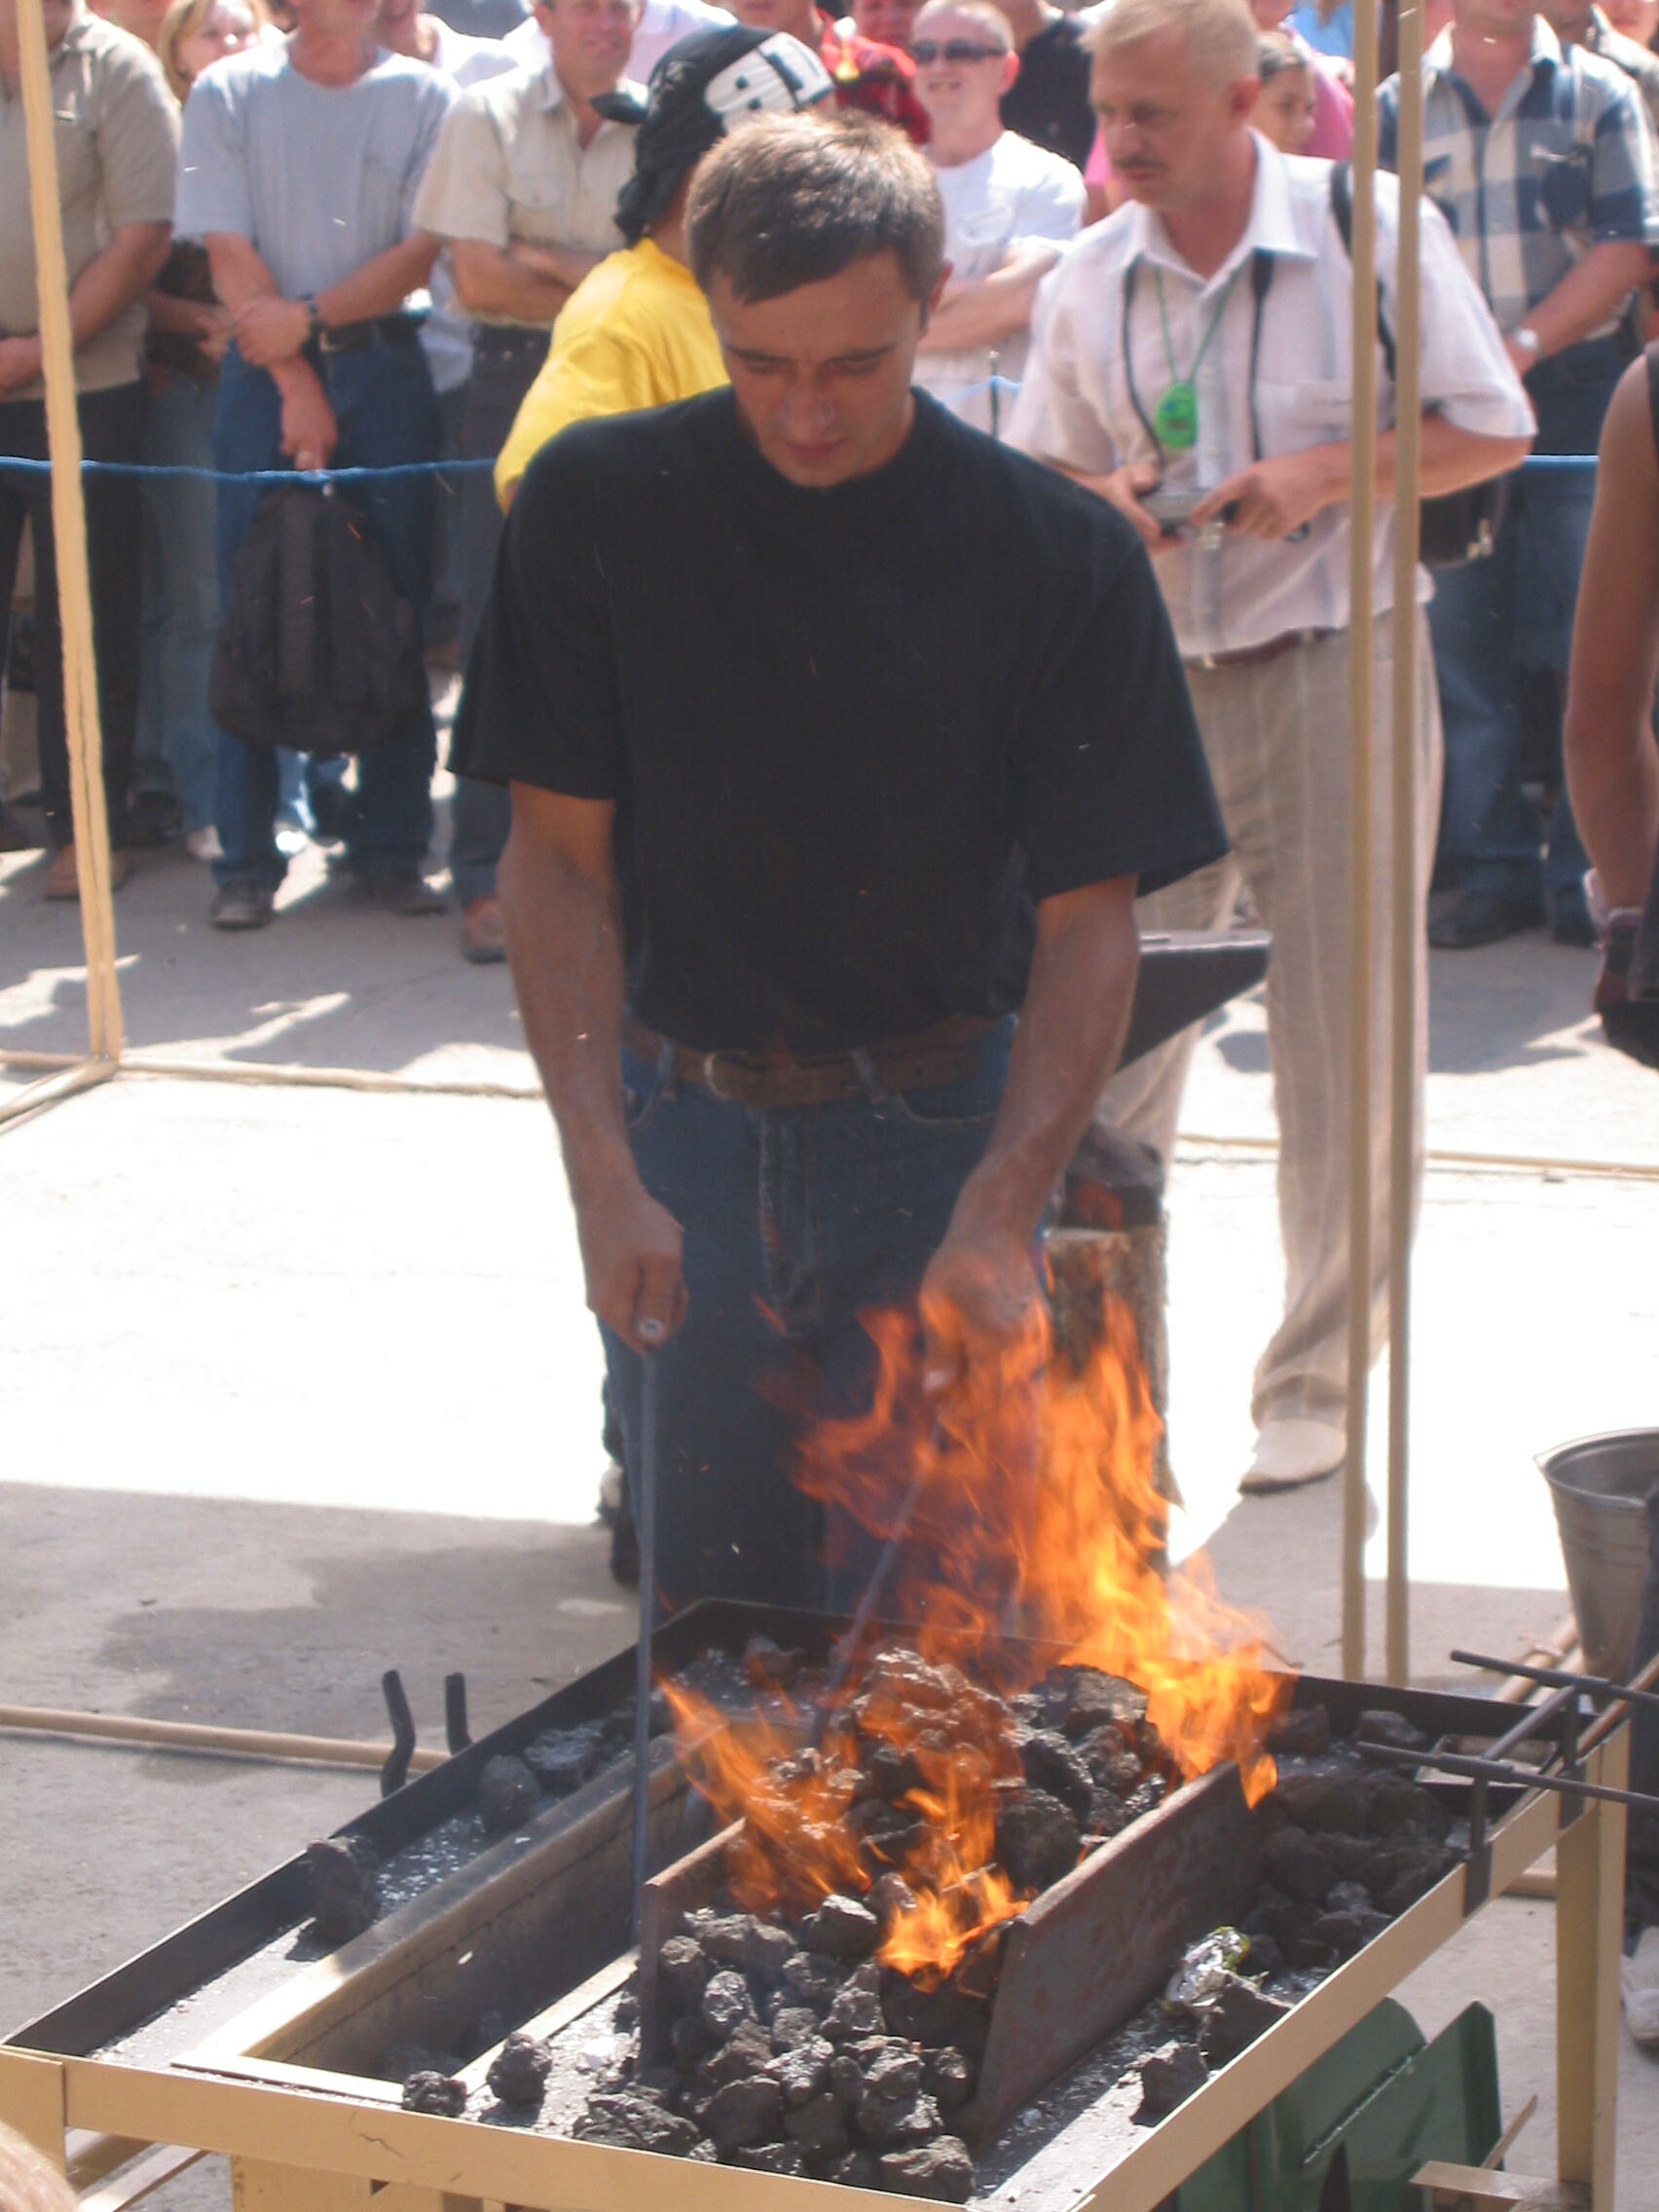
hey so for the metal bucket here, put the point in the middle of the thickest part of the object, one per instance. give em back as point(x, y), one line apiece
point(1600, 1488)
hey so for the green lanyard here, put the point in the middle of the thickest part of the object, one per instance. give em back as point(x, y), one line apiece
point(1175, 418)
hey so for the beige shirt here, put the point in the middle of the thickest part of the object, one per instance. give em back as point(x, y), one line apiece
point(117, 154)
point(508, 166)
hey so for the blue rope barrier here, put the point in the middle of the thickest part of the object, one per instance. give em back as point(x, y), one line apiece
point(253, 475)
point(1543, 463)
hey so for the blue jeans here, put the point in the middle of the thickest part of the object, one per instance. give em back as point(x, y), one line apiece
point(382, 401)
point(794, 1223)
point(181, 593)
point(1513, 609)
point(505, 367)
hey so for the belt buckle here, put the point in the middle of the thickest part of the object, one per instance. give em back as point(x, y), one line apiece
point(716, 1068)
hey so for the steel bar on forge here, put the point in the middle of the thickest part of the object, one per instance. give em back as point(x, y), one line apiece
point(1523, 1777)
point(1407, 922)
point(1558, 1678)
point(1362, 505)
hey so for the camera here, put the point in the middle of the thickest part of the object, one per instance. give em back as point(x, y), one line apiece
point(1171, 510)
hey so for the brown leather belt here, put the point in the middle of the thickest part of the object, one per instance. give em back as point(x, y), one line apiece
point(1254, 656)
point(944, 1053)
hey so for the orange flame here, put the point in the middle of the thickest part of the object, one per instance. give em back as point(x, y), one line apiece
point(1035, 1517)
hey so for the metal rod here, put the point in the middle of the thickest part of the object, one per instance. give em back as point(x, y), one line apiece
point(1406, 921)
point(644, 1515)
point(1523, 1777)
point(847, 1646)
point(1362, 498)
point(1555, 1677)
point(190, 1736)
point(83, 736)
point(1603, 1725)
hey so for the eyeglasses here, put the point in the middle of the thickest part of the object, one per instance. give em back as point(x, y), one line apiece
point(925, 52)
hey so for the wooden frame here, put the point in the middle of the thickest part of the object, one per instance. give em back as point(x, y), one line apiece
point(81, 730)
point(298, 2138)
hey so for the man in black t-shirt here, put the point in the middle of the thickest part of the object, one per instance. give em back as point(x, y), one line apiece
point(836, 734)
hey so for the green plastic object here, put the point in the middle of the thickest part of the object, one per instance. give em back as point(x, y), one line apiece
point(1349, 2134)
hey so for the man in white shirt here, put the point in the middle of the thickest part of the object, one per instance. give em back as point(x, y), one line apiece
point(1193, 351)
point(1010, 209)
point(662, 23)
point(522, 190)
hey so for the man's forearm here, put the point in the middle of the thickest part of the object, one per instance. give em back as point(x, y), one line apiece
point(381, 286)
point(488, 281)
point(565, 947)
point(1071, 1031)
point(117, 277)
point(1614, 786)
point(994, 308)
point(1589, 294)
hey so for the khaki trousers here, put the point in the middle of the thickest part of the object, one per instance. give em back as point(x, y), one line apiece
point(1276, 736)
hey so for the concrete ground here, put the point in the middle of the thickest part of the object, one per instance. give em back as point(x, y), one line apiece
point(297, 1384)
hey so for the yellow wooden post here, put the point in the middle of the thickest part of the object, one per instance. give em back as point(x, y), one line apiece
point(69, 532)
point(1362, 505)
point(1402, 1129)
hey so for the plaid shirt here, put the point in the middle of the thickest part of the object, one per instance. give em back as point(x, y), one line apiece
point(1569, 162)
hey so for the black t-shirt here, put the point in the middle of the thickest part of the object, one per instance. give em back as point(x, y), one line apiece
point(849, 733)
point(1048, 100)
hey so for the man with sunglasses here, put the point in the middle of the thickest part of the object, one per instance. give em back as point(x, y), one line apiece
point(1010, 208)
point(1193, 362)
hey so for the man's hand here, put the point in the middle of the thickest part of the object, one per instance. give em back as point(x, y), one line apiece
point(1272, 498)
point(309, 433)
point(1125, 488)
point(215, 330)
point(980, 1298)
point(20, 362)
point(271, 330)
point(631, 1257)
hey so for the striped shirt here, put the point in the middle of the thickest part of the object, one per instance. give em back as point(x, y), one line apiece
point(1569, 162)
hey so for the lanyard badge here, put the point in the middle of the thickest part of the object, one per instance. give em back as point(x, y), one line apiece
point(1173, 423)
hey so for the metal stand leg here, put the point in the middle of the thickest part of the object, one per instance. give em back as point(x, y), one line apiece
point(644, 1509)
point(1589, 1940)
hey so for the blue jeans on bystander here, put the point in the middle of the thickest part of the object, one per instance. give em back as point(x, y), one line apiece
point(796, 1222)
point(1514, 611)
point(181, 593)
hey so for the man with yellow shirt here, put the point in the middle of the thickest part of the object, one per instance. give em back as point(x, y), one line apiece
point(636, 331)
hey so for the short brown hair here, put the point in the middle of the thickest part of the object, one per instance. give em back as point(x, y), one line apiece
point(790, 200)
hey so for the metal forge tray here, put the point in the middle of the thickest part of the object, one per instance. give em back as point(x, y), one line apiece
point(227, 2037)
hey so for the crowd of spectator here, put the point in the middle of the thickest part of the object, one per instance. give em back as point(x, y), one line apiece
point(364, 233)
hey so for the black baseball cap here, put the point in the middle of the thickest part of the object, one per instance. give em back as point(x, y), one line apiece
point(698, 90)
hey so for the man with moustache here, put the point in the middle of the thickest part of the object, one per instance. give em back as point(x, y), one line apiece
point(1191, 362)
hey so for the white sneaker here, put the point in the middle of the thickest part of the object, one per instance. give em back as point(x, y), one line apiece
point(1292, 1453)
point(203, 844)
point(1638, 1979)
point(610, 1495)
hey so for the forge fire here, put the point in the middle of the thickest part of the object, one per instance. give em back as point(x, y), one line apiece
point(947, 1787)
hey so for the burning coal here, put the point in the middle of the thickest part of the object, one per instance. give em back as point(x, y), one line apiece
point(941, 1793)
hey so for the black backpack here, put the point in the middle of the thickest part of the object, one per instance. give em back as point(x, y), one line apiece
point(318, 651)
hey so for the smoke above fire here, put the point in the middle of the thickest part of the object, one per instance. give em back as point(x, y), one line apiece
point(1035, 1539)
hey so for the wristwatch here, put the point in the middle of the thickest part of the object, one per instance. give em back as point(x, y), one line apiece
point(314, 324)
point(1527, 340)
